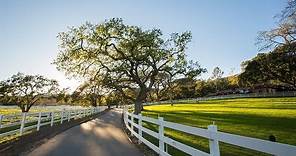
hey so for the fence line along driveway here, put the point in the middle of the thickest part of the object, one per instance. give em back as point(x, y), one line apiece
point(101, 136)
point(211, 134)
point(19, 123)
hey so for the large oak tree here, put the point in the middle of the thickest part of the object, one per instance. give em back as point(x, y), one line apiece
point(127, 58)
point(278, 65)
point(26, 90)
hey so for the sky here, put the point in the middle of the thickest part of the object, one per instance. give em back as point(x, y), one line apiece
point(224, 31)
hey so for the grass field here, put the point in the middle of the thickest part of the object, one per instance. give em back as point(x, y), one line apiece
point(6, 111)
point(11, 110)
point(254, 117)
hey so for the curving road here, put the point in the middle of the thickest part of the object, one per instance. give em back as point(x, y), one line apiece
point(102, 136)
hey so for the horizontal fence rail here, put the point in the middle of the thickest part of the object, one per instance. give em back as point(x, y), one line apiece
point(18, 124)
point(230, 96)
point(212, 134)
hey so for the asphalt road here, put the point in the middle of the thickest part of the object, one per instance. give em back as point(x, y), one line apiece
point(102, 136)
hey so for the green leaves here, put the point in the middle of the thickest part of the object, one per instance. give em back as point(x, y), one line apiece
point(26, 90)
point(121, 52)
point(284, 33)
point(277, 66)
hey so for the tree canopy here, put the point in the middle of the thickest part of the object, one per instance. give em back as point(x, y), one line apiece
point(90, 91)
point(26, 90)
point(127, 58)
point(278, 65)
point(284, 33)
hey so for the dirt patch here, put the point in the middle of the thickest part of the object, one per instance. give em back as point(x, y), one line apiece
point(26, 143)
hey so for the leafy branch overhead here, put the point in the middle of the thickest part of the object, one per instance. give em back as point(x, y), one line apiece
point(126, 58)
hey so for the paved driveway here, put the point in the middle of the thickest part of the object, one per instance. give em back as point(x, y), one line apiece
point(102, 136)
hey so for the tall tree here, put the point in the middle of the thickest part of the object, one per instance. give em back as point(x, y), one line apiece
point(92, 91)
point(278, 65)
point(63, 96)
point(284, 33)
point(26, 90)
point(217, 73)
point(216, 78)
point(129, 58)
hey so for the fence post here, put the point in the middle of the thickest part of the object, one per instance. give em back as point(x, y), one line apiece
point(23, 122)
point(132, 126)
point(52, 119)
point(69, 115)
point(1, 118)
point(161, 135)
point(213, 142)
point(125, 116)
point(140, 128)
point(62, 116)
point(39, 121)
point(167, 148)
point(76, 114)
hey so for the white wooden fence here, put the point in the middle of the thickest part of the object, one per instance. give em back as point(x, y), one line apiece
point(211, 133)
point(22, 122)
point(230, 96)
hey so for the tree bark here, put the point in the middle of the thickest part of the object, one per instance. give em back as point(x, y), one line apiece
point(139, 101)
point(25, 108)
point(94, 101)
point(138, 107)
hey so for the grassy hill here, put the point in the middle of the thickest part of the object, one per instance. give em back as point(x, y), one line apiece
point(254, 117)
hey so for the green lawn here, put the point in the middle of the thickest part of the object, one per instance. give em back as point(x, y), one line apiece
point(254, 117)
point(11, 111)
point(7, 111)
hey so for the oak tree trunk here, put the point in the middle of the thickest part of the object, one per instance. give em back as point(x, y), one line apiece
point(139, 101)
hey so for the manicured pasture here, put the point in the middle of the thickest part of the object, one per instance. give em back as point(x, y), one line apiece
point(253, 117)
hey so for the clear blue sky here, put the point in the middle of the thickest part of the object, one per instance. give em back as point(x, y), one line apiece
point(224, 32)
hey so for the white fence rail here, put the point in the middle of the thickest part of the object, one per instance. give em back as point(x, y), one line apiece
point(230, 96)
point(22, 122)
point(211, 133)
